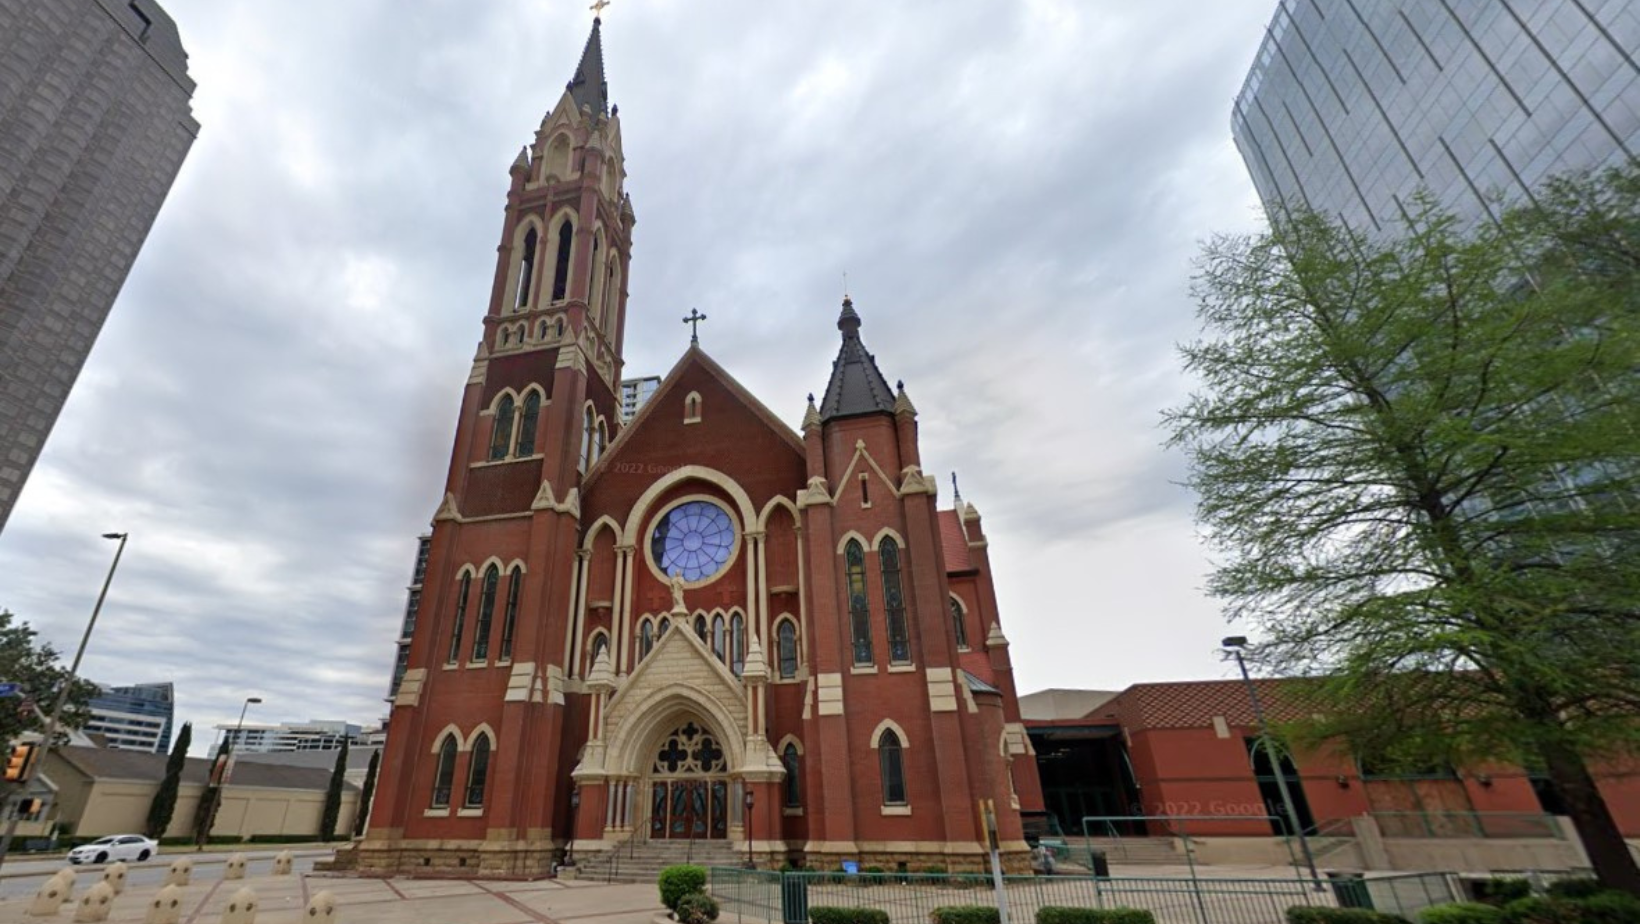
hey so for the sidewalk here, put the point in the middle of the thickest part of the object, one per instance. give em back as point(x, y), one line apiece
point(282, 899)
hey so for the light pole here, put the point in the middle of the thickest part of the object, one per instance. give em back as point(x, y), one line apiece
point(1234, 644)
point(62, 694)
point(574, 809)
point(750, 864)
point(205, 819)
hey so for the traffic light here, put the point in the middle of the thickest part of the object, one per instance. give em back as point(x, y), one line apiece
point(20, 761)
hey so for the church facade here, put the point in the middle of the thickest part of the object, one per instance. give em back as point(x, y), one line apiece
point(702, 624)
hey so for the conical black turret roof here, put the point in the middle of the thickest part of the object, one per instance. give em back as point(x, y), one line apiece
point(857, 386)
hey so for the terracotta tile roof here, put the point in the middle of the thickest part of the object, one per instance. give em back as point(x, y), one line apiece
point(1194, 703)
point(954, 543)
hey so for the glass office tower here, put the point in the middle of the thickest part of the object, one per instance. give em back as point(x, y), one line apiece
point(136, 717)
point(1352, 106)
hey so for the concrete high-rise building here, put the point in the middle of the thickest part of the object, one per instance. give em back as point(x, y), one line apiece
point(634, 392)
point(1350, 108)
point(135, 718)
point(412, 606)
point(313, 735)
point(95, 119)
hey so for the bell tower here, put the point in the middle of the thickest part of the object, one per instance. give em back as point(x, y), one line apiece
point(540, 404)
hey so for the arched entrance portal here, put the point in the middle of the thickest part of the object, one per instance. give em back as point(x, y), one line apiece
point(689, 786)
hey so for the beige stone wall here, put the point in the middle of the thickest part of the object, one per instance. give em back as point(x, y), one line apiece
point(118, 807)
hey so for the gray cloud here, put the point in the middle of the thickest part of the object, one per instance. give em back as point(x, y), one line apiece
point(1015, 191)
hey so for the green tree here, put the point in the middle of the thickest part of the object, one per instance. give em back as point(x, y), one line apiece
point(362, 816)
point(1416, 458)
point(333, 796)
point(164, 804)
point(33, 665)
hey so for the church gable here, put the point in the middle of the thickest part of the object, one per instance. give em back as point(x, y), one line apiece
point(678, 681)
point(699, 416)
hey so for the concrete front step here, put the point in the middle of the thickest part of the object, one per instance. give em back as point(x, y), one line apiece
point(1136, 851)
point(643, 862)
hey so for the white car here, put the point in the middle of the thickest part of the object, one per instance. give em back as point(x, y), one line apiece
point(114, 847)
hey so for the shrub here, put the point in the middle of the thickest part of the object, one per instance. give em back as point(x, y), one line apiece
point(1310, 914)
point(1609, 908)
point(965, 914)
point(1538, 910)
point(1581, 887)
point(697, 908)
point(828, 914)
point(1053, 914)
point(1462, 913)
point(677, 881)
point(1502, 891)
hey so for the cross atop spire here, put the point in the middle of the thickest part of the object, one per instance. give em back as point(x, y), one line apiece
point(597, 9)
point(693, 320)
point(587, 88)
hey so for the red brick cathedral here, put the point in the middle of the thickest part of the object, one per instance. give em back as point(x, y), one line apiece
point(699, 625)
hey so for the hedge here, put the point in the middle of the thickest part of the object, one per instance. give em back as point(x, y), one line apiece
point(1607, 907)
point(1580, 887)
point(677, 881)
point(1462, 913)
point(830, 914)
point(1502, 891)
point(965, 914)
point(1310, 914)
point(1055, 914)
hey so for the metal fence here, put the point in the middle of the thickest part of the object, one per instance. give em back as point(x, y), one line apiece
point(749, 896)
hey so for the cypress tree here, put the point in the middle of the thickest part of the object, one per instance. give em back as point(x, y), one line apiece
point(333, 797)
point(362, 816)
point(165, 799)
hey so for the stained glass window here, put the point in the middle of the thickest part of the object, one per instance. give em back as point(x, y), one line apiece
point(888, 754)
point(693, 540)
point(526, 267)
point(958, 623)
point(445, 774)
point(794, 786)
point(501, 434)
point(486, 611)
point(899, 637)
point(859, 608)
point(526, 424)
point(461, 618)
point(788, 649)
point(478, 771)
point(510, 622)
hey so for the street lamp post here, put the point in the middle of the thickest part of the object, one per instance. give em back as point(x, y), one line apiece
point(1234, 644)
point(62, 694)
point(750, 864)
point(574, 810)
point(206, 819)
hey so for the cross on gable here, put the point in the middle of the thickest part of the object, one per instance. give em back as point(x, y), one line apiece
point(693, 320)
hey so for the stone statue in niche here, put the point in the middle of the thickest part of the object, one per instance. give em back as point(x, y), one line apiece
point(677, 593)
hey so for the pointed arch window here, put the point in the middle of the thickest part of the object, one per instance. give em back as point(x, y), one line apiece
point(737, 644)
point(586, 439)
point(478, 772)
point(899, 635)
point(793, 784)
point(560, 266)
point(859, 607)
point(526, 267)
point(958, 623)
point(701, 631)
point(786, 641)
point(461, 618)
point(600, 643)
point(510, 621)
point(526, 425)
point(610, 297)
point(717, 637)
point(501, 435)
point(600, 441)
point(486, 612)
point(594, 291)
point(445, 774)
point(893, 769)
point(646, 639)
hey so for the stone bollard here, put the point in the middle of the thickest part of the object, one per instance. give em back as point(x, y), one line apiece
point(235, 868)
point(321, 908)
point(114, 875)
point(166, 907)
point(282, 863)
point(51, 896)
point(66, 874)
point(241, 908)
point(181, 871)
point(95, 905)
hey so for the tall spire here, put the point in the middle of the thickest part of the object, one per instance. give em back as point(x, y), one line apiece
point(587, 88)
point(857, 386)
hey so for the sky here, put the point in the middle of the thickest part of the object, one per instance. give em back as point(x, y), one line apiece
point(1015, 191)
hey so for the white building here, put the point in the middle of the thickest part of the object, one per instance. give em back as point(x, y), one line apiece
point(313, 735)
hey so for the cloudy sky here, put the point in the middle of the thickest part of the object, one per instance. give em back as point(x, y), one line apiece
point(1015, 190)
